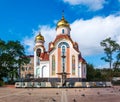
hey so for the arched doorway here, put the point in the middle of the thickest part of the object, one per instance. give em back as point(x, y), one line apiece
point(43, 71)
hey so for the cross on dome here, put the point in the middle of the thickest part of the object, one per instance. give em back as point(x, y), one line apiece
point(39, 37)
point(63, 22)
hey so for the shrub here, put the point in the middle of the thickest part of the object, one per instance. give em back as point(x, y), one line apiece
point(1, 83)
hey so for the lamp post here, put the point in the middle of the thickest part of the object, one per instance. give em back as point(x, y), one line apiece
point(63, 73)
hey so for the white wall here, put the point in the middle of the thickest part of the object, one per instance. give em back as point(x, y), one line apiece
point(35, 59)
point(80, 70)
point(66, 30)
point(42, 70)
point(54, 52)
point(84, 72)
point(75, 53)
point(34, 63)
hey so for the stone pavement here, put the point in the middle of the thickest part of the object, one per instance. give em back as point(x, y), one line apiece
point(60, 94)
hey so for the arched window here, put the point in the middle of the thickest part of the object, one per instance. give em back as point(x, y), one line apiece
point(38, 72)
point(63, 31)
point(53, 65)
point(43, 71)
point(73, 65)
point(38, 61)
point(63, 50)
point(63, 43)
point(63, 53)
point(38, 53)
point(63, 46)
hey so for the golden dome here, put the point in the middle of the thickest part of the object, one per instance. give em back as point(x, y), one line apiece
point(63, 23)
point(39, 37)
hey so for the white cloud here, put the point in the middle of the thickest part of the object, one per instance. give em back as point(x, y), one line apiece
point(46, 31)
point(88, 34)
point(92, 4)
point(28, 43)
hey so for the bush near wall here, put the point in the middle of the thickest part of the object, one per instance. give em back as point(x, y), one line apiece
point(1, 83)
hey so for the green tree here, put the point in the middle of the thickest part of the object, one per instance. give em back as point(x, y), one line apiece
point(110, 49)
point(12, 57)
point(106, 74)
point(116, 64)
point(98, 75)
point(90, 72)
point(3, 70)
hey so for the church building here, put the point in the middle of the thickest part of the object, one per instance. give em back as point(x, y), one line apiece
point(47, 64)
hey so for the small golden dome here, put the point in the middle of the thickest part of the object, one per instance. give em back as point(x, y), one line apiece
point(39, 37)
point(63, 23)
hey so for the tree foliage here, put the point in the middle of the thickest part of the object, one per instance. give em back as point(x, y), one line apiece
point(11, 57)
point(103, 74)
point(111, 49)
point(90, 72)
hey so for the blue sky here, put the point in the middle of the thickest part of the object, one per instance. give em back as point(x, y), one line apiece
point(91, 21)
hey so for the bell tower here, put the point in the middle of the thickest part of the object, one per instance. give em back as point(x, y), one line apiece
point(38, 50)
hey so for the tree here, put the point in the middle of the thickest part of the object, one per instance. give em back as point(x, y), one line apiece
point(12, 56)
point(106, 74)
point(116, 64)
point(90, 72)
point(110, 49)
point(98, 75)
point(3, 70)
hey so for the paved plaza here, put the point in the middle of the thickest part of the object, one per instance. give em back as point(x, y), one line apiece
point(60, 94)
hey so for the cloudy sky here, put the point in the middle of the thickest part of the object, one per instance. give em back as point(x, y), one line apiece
point(91, 22)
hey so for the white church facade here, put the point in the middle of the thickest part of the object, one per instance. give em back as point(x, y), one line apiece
point(47, 64)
